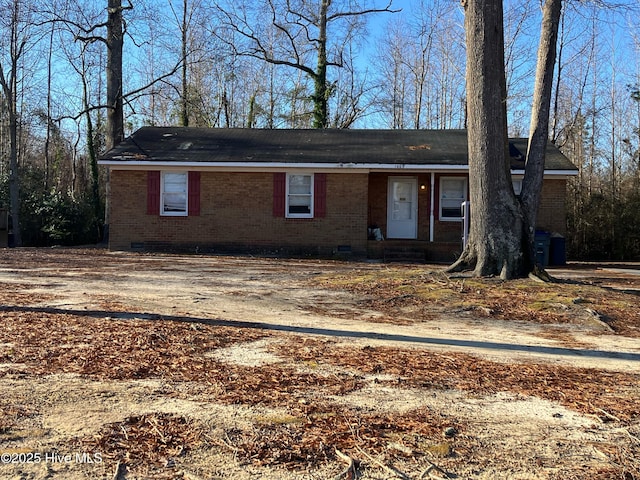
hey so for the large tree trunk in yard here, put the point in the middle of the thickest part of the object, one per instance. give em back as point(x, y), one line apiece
point(496, 231)
point(115, 110)
point(115, 41)
point(539, 127)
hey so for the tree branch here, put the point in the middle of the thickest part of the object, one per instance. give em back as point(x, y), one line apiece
point(125, 96)
point(259, 52)
point(363, 12)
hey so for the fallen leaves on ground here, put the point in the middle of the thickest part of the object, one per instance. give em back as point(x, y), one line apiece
point(148, 442)
point(588, 391)
point(313, 437)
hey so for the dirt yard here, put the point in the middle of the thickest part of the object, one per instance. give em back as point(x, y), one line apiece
point(132, 366)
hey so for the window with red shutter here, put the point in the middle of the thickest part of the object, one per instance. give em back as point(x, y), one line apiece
point(298, 195)
point(174, 199)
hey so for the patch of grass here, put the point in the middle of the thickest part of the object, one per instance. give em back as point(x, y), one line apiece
point(312, 364)
point(278, 419)
point(417, 294)
point(440, 450)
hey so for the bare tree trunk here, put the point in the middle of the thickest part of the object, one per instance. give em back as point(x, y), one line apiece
point(321, 93)
point(14, 177)
point(9, 83)
point(91, 147)
point(560, 48)
point(184, 101)
point(115, 42)
point(495, 240)
point(539, 127)
point(115, 110)
point(47, 141)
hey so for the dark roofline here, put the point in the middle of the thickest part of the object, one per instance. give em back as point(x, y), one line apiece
point(294, 147)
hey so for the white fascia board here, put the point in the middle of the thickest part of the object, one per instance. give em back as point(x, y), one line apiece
point(266, 166)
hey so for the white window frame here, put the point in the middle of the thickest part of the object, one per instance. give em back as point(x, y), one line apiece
point(289, 195)
point(173, 213)
point(459, 200)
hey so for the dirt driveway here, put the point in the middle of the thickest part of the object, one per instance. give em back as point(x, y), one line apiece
point(161, 366)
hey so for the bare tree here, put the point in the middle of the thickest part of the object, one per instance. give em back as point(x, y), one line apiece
point(420, 68)
point(394, 75)
point(9, 81)
point(188, 17)
point(502, 230)
point(304, 41)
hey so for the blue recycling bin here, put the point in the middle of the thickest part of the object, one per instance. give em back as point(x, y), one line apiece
point(558, 250)
point(542, 243)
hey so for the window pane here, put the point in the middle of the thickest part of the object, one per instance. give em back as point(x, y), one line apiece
point(452, 212)
point(452, 194)
point(300, 204)
point(517, 186)
point(174, 198)
point(453, 189)
point(300, 184)
point(402, 201)
point(175, 202)
point(300, 195)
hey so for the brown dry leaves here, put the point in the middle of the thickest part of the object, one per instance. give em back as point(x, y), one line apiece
point(585, 390)
point(41, 341)
point(154, 439)
point(313, 436)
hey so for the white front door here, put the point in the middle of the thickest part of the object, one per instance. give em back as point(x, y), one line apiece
point(402, 207)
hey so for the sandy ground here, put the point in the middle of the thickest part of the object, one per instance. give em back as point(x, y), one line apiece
point(498, 434)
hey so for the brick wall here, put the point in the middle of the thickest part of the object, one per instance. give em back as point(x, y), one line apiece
point(551, 215)
point(553, 210)
point(236, 213)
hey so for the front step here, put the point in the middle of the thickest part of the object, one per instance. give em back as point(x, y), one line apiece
point(405, 254)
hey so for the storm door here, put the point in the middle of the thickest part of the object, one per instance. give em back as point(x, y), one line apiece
point(402, 207)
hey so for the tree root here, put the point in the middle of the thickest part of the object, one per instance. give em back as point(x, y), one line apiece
point(350, 472)
point(539, 274)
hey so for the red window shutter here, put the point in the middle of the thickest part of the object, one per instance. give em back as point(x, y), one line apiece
point(153, 193)
point(279, 192)
point(194, 193)
point(320, 195)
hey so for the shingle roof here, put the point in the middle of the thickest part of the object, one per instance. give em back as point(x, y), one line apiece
point(330, 146)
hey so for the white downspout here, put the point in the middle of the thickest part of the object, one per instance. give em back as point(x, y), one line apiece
point(431, 214)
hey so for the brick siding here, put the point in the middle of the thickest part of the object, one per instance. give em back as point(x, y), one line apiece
point(236, 213)
point(552, 214)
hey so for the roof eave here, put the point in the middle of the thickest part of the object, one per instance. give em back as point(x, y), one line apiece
point(118, 164)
